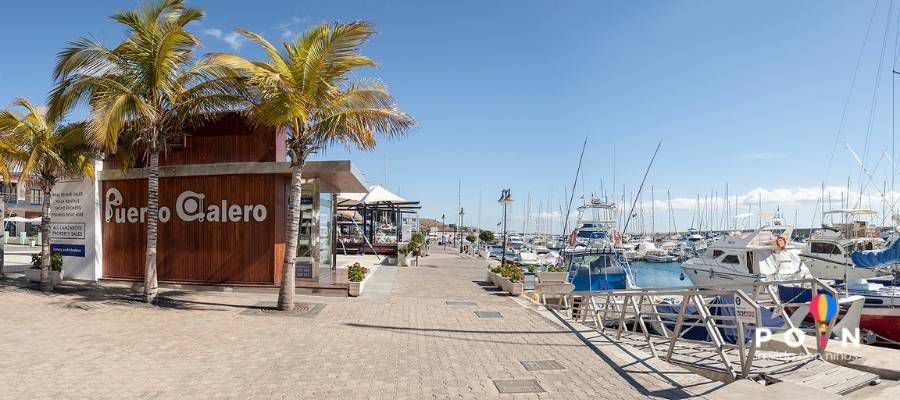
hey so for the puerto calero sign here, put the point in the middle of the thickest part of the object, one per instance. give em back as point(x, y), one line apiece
point(190, 206)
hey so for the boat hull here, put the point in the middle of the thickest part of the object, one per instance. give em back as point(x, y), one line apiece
point(884, 322)
point(829, 269)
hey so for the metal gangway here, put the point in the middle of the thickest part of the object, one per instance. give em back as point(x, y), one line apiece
point(660, 317)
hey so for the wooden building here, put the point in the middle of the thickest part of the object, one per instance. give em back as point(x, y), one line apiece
point(223, 208)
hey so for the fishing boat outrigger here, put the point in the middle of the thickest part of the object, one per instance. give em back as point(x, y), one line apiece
point(595, 259)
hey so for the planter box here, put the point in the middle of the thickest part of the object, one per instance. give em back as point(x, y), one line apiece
point(551, 277)
point(495, 279)
point(356, 288)
point(514, 288)
point(34, 275)
point(404, 260)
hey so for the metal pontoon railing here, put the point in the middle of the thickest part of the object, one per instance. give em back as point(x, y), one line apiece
point(618, 308)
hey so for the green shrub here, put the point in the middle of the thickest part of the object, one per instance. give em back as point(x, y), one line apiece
point(56, 261)
point(556, 268)
point(512, 272)
point(516, 274)
point(404, 250)
point(531, 269)
point(486, 236)
point(356, 273)
point(418, 238)
point(471, 238)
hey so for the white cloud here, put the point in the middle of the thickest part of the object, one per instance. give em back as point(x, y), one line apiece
point(776, 197)
point(287, 29)
point(214, 32)
point(235, 40)
point(762, 156)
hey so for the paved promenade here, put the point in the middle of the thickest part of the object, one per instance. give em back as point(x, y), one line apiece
point(399, 341)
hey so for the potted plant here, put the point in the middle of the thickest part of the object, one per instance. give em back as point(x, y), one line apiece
point(56, 272)
point(554, 273)
point(512, 277)
point(418, 243)
point(493, 274)
point(403, 255)
point(356, 275)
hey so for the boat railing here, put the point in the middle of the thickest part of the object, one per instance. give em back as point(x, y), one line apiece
point(703, 306)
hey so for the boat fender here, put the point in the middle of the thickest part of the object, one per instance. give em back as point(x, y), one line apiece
point(781, 243)
point(681, 276)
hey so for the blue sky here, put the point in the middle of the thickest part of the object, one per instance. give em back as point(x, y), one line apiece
point(745, 93)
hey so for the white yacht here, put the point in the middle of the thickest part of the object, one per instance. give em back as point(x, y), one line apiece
point(659, 256)
point(827, 252)
point(764, 254)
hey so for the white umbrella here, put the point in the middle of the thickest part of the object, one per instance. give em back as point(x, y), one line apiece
point(36, 220)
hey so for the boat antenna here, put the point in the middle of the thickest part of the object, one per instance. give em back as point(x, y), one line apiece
point(647, 171)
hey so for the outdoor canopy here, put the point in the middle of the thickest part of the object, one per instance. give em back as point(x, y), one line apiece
point(36, 220)
point(376, 194)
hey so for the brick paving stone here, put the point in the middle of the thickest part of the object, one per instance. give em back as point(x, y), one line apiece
point(409, 344)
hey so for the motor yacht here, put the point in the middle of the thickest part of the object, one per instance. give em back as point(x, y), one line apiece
point(762, 255)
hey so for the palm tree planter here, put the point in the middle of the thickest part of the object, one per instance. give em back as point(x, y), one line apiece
point(34, 276)
point(305, 90)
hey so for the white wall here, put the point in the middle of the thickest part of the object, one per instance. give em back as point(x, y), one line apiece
point(75, 226)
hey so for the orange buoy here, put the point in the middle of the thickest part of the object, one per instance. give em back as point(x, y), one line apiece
point(781, 243)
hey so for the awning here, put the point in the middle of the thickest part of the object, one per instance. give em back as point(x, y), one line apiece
point(376, 194)
point(36, 220)
point(333, 176)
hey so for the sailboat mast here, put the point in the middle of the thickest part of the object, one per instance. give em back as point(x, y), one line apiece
point(652, 213)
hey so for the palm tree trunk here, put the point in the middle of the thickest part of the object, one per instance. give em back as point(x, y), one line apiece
point(151, 287)
point(292, 229)
point(45, 241)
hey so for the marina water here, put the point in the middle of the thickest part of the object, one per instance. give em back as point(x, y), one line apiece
point(658, 275)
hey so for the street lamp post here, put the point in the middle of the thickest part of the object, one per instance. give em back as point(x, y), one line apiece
point(505, 199)
point(459, 228)
point(443, 231)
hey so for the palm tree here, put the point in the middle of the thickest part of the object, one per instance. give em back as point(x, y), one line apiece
point(44, 150)
point(306, 91)
point(145, 91)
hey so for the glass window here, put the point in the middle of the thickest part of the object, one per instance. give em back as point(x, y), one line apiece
point(325, 227)
point(717, 253)
point(731, 259)
point(824, 248)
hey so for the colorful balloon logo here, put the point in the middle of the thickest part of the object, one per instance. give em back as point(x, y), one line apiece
point(823, 308)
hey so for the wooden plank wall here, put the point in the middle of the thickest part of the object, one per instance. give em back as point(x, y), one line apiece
point(228, 139)
point(207, 252)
